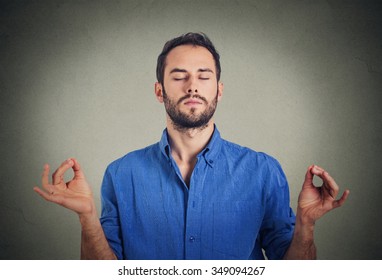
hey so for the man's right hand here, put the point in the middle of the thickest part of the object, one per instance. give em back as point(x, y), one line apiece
point(75, 195)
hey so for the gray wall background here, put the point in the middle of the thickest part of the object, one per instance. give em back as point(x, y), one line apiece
point(303, 83)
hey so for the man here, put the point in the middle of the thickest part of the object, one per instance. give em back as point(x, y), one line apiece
point(193, 195)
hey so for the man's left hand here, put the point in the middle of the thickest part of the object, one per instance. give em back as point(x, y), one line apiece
point(314, 202)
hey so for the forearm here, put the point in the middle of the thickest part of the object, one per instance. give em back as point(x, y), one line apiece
point(93, 241)
point(302, 246)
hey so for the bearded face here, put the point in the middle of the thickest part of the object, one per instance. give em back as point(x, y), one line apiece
point(190, 90)
point(189, 118)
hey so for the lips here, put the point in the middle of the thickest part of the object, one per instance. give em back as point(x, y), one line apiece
point(194, 99)
point(193, 102)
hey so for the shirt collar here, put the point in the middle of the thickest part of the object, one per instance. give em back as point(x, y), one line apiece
point(164, 144)
point(209, 153)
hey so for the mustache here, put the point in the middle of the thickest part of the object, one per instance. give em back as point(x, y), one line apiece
point(191, 96)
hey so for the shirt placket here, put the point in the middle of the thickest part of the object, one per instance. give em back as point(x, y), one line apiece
point(193, 216)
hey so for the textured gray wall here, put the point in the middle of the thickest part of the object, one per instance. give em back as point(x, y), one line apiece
point(303, 82)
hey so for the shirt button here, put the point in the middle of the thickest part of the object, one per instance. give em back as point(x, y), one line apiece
point(211, 161)
point(192, 239)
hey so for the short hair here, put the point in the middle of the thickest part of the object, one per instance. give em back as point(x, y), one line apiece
point(195, 39)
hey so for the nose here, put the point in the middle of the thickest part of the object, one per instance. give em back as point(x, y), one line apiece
point(192, 90)
point(191, 86)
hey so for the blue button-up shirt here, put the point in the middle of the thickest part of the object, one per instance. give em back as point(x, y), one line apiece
point(237, 204)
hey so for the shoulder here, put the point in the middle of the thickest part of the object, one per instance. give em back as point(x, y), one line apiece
point(134, 158)
point(255, 166)
point(249, 155)
point(252, 161)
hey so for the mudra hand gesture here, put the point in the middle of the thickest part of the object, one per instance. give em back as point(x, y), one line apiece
point(75, 195)
point(314, 202)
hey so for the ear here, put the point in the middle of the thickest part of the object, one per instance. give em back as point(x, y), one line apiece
point(159, 91)
point(220, 90)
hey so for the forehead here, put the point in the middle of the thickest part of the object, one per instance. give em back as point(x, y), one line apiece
point(189, 57)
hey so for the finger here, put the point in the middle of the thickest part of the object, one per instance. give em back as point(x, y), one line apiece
point(317, 171)
point(42, 193)
point(58, 175)
point(330, 185)
point(45, 174)
point(78, 173)
point(45, 179)
point(48, 196)
point(341, 201)
point(318, 168)
point(308, 177)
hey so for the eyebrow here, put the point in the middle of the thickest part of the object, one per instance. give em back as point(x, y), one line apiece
point(179, 70)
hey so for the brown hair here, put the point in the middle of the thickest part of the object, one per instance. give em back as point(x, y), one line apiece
point(195, 39)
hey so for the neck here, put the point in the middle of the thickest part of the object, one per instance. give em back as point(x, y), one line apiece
point(186, 144)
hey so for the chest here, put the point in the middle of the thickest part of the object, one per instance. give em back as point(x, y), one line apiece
point(216, 217)
point(185, 170)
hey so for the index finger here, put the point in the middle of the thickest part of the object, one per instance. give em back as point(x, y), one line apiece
point(317, 171)
point(77, 169)
point(60, 171)
point(329, 182)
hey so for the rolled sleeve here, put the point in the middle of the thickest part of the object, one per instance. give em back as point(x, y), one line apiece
point(110, 215)
point(279, 220)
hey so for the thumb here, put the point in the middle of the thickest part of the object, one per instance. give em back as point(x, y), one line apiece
point(308, 182)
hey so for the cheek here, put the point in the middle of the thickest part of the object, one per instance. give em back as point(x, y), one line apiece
point(172, 88)
point(211, 90)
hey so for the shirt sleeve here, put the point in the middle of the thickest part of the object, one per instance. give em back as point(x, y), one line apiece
point(278, 224)
point(110, 214)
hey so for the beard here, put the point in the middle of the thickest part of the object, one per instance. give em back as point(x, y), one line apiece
point(185, 121)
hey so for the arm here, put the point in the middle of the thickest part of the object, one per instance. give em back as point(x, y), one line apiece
point(77, 196)
point(313, 203)
point(93, 241)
